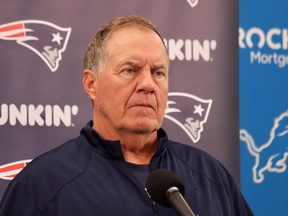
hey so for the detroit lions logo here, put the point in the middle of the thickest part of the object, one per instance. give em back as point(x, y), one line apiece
point(45, 39)
point(272, 155)
point(10, 170)
point(189, 112)
point(192, 3)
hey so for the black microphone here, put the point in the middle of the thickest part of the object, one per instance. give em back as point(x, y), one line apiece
point(166, 188)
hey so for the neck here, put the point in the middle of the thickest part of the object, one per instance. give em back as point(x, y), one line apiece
point(137, 148)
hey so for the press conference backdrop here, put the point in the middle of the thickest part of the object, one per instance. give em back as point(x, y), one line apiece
point(263, 42)
point(42, 101)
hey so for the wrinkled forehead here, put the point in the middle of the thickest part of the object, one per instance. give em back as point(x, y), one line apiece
point(131, 27)
point(128, 30)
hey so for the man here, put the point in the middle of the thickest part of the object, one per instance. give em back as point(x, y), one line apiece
point(103, 171)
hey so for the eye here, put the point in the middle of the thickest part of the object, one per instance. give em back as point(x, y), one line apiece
point(159, 74)
point(129, 70)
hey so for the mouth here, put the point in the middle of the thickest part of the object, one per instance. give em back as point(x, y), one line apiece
point(144, 105)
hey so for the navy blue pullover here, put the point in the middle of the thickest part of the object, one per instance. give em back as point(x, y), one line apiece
point(88, 176)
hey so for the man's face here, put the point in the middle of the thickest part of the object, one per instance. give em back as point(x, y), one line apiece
point(132, 91)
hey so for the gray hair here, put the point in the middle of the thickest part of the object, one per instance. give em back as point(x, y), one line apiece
point(97, 52)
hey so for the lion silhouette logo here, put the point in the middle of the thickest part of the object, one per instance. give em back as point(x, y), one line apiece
point(272, 155)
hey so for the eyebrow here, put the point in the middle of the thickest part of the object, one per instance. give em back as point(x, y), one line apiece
point(161, 66)
point(127, 62)
point(139, 64)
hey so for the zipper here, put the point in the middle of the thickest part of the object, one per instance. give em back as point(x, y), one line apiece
point(154, 206)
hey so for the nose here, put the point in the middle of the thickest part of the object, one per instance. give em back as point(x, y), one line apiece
point(146, 83)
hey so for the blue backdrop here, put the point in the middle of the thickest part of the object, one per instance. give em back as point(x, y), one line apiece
point(263, 42)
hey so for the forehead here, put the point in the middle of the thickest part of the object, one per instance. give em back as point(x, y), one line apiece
point(132, 27)
point(135, 32)
point(137, 39)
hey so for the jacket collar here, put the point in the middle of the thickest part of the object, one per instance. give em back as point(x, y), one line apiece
point(112, 148)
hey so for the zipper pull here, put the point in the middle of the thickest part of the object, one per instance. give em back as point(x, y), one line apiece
point(154, 206)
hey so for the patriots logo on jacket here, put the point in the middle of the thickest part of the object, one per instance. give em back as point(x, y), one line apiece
point(45, 39)
point(189, 112)
point(10, 170)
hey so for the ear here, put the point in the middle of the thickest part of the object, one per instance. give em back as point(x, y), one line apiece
point(89, 83)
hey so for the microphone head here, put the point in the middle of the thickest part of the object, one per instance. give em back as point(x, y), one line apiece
point(159, 181)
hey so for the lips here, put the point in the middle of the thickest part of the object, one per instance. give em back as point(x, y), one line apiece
point(144, 105)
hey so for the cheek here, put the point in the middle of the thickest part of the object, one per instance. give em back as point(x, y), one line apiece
point(103, 96)
point(113, 97)
point(162, 101)
point(164, 93)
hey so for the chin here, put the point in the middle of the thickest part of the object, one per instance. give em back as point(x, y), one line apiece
point(144, 128)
